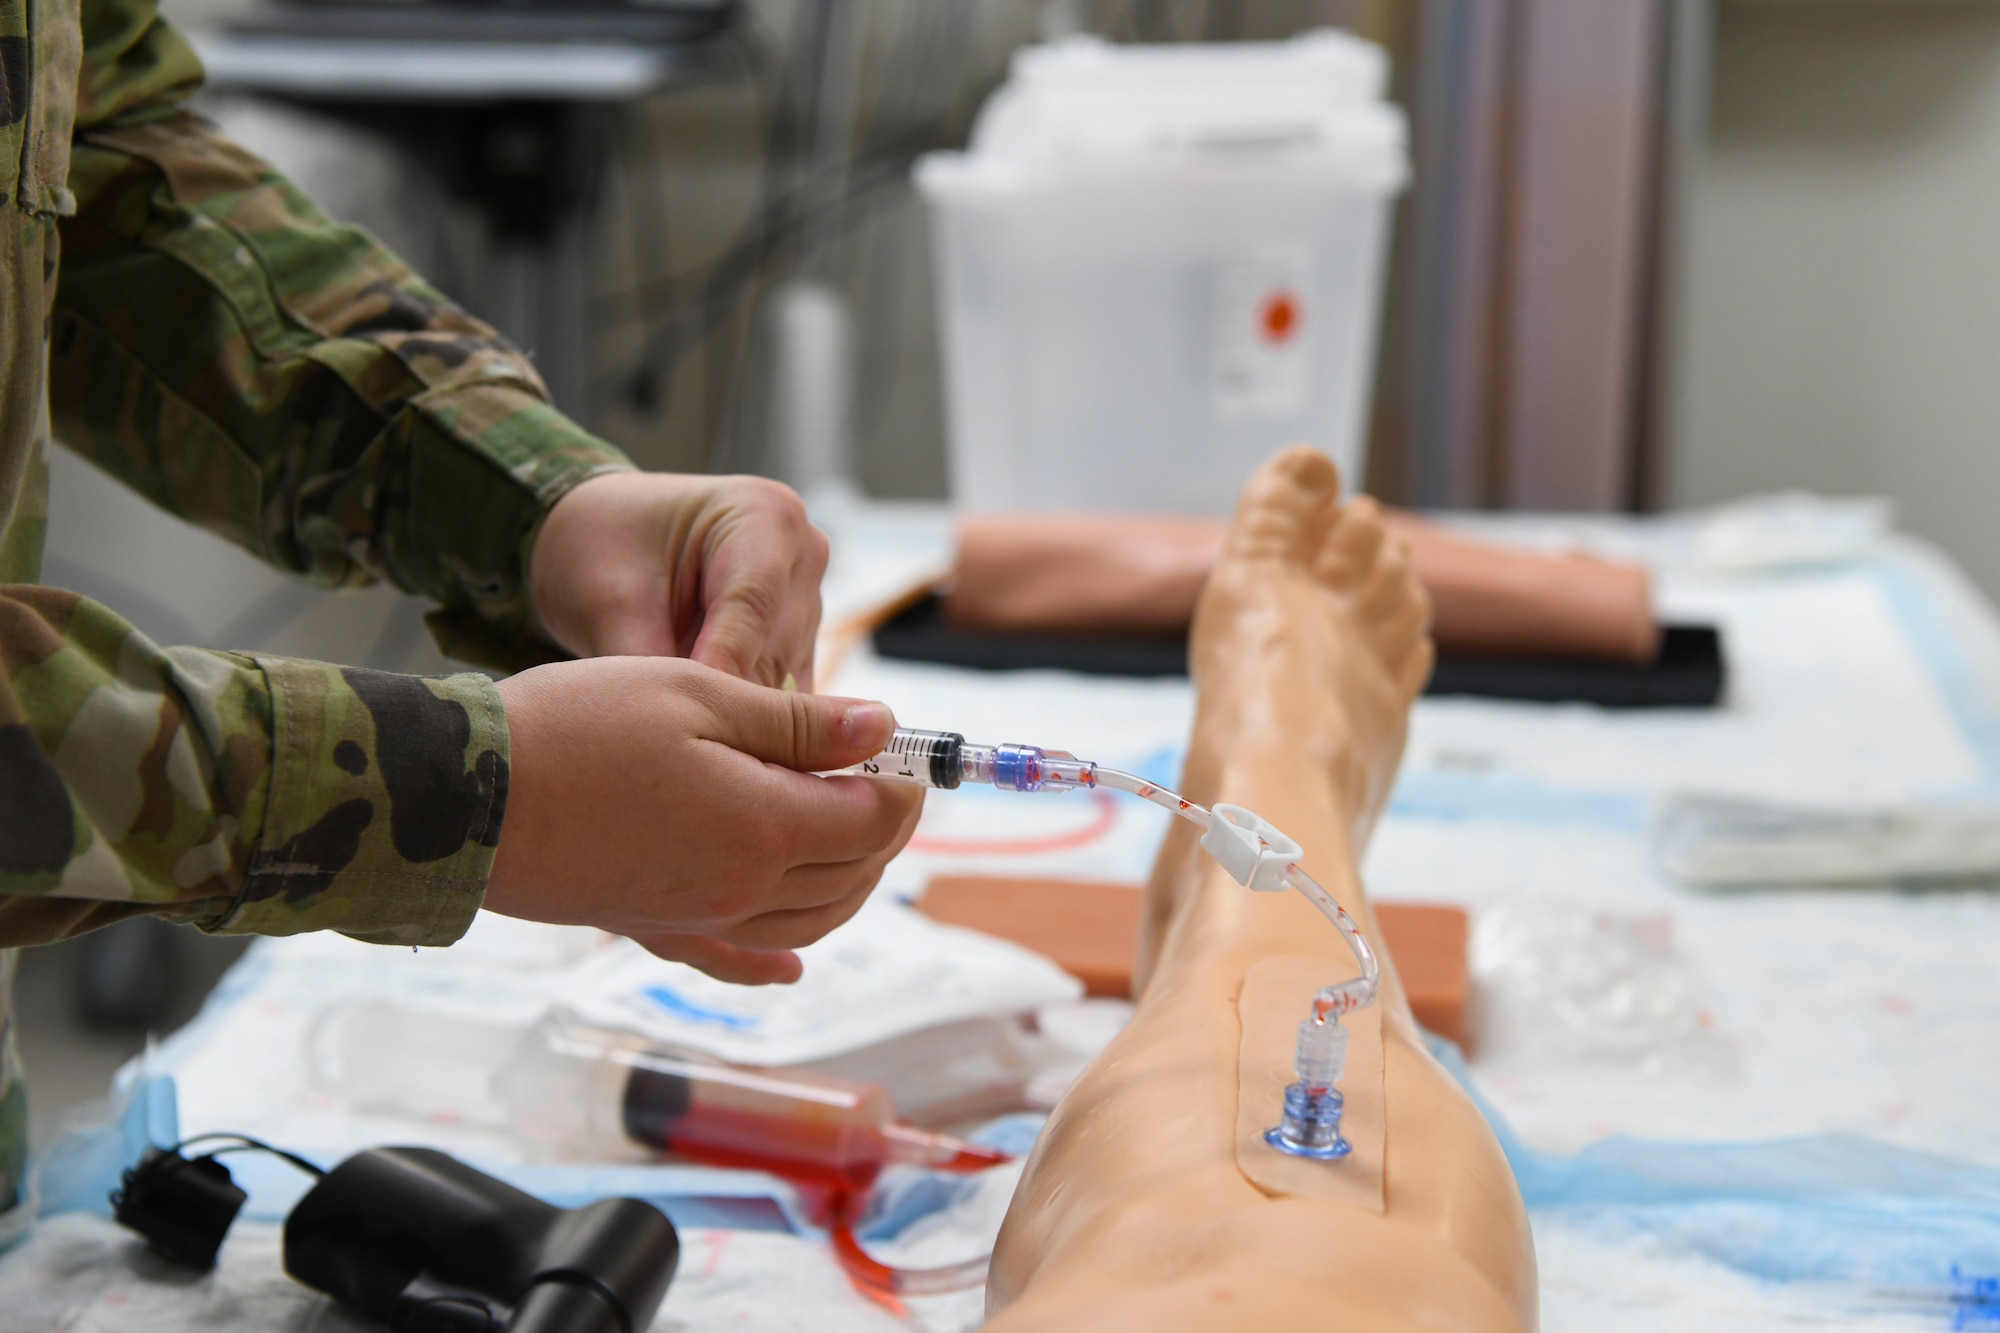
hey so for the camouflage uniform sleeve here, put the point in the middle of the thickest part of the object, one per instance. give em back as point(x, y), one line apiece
point(283, 380)
point(241, 794)
point(219, 345)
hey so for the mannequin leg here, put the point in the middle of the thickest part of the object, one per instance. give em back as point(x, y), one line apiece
point(1309, 645)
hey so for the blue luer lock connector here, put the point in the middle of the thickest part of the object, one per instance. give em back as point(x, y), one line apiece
point(1017, 768)
point(1311, 1127)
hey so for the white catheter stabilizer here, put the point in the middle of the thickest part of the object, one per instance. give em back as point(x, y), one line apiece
point(1254, 852)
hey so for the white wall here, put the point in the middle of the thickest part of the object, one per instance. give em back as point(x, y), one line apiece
point(1840, 326)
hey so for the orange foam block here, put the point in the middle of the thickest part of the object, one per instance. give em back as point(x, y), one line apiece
point(1090, 929)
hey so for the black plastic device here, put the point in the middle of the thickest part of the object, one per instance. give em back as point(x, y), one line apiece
point(430, 1245)
point(423, 1242)
point(182, 1206)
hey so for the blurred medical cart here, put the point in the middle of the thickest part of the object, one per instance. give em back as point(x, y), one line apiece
point(506, 104)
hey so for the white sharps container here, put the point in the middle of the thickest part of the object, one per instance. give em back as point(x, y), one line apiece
point(1160, 264)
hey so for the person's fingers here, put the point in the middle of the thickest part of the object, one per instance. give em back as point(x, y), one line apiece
point(808, 733)
point(760, 579)
point(787, 651)
point(799, 633)
point(813, 820)
point(794, 928)
point(726, 962)
point(805, 885)
point(740, 625)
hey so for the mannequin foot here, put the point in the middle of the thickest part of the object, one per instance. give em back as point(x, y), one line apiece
point(1309, 590)
point(1313, 603)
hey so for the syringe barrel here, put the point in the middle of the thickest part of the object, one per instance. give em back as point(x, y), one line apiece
point(792, 1124)
point(570, 1083)
point(918, 758)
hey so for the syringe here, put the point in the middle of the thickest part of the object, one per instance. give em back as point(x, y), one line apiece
point(1251, 850)
point(575, 1087)
point(806, 1127)
point(943, 759)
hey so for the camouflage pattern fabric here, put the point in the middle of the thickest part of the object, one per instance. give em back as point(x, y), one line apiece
point(173, 310)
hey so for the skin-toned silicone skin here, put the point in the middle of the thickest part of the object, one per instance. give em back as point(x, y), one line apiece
point(1309, 643)
point(1143, 573)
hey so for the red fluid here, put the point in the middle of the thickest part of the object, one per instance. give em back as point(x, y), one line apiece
point(815, 1153)
point(1280, 316)
point(834, 1162)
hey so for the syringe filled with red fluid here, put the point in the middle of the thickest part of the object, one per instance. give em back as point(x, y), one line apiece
point(812, 1129)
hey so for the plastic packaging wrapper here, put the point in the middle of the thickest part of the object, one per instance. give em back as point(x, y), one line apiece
point(1821, 1208)
point(1557, 986)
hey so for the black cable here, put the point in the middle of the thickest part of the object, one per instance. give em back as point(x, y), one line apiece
point(946, 52)
point(797, 206)
point(649, 219)
point(184, 1206)
point(886, 163)
point(245, 1143)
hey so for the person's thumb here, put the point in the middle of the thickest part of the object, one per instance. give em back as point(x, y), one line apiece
point(734, 632)
point(807, 732)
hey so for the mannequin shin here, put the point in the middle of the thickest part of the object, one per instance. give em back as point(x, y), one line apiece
point(1309, 644)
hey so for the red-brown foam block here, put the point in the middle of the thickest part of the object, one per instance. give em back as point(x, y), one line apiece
point(1090, 929)
point(1427, 941)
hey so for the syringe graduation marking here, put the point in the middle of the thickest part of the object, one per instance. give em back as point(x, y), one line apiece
point(928, 758)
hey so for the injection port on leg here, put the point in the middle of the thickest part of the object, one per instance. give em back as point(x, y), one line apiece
point(1311, 1123)
point(1311, 1127)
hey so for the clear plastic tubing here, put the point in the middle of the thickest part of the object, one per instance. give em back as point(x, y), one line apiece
point(1310, 1126)
point(946, 760)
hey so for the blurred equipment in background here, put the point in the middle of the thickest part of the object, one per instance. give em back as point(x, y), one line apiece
point(1158, 265)
point(646, 247)
point(812, 412)
point(130, 974)
point(506, 105)
point(1526, 362)
point(812, 390)
point(641, 22)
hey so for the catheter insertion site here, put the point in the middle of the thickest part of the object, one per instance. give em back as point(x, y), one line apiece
point(1257, 855)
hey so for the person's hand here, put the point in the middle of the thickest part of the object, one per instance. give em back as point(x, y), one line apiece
point(722, 570)
point(678, 806)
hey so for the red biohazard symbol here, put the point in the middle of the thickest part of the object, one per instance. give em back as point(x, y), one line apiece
point(1279, 318)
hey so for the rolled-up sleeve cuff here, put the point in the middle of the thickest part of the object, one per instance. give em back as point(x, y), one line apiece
point(485, 516)
point(387, 795)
